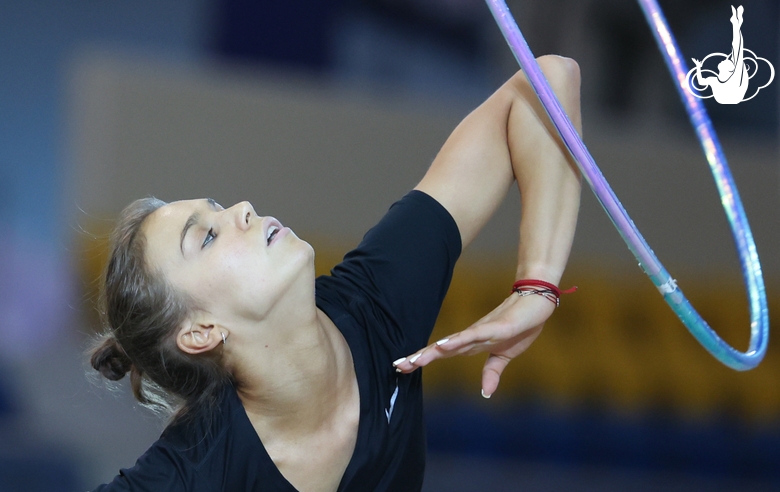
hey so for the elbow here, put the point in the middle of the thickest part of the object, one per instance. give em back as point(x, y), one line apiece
point(563, 75)
point(560, 71)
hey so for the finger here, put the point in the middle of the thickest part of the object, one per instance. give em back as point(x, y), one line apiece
point(480, 334)
point(423, 357)
point(416, 360)
point(407, 364)
point(475, 340)
point(492, 329)
point(429, 354)
point(491, 373)
point(446, 347)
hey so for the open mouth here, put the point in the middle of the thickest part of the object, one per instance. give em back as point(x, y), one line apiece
point(272, 233)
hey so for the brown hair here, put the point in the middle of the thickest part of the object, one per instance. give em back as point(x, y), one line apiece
point(142, 314)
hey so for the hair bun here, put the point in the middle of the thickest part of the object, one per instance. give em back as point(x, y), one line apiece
point(110, 359)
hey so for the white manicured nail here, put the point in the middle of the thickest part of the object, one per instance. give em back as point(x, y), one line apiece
point(484, 395)
point(442, 341)
point(414, 359)
point(399, 361)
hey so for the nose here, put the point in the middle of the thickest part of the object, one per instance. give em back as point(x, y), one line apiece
point(243, 214)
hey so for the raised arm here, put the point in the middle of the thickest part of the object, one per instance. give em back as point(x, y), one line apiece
point(703, 81)
point(510, 138)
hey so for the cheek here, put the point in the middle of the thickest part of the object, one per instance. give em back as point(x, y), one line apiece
point(237, 282)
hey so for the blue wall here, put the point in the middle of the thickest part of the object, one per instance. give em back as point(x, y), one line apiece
point(39, 39)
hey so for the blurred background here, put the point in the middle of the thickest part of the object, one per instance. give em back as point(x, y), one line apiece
point(322, 113)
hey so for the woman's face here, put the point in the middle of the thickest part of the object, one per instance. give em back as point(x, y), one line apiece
point(230, 261)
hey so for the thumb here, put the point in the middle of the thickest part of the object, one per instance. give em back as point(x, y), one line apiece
point(491, 373)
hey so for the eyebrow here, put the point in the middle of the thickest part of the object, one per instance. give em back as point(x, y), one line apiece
point(191, 221)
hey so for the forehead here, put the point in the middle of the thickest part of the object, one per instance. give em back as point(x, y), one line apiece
point(162, 229)
point(172, 215)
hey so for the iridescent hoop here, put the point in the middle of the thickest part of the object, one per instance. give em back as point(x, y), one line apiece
point(732, 205)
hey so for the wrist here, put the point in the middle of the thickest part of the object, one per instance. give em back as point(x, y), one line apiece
point(540, 272)
point(549, 291)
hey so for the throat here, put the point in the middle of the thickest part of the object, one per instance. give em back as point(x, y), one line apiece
point(305, 389)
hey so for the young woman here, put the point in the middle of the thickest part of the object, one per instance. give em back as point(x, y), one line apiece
point(286, 382)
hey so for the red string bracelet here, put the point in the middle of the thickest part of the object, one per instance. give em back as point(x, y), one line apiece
point(551, 292)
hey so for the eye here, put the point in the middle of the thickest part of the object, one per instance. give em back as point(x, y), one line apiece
point(210, 236)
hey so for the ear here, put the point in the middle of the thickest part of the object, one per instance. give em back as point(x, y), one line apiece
point(197, 338)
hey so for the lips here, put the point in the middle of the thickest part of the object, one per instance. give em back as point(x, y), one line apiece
point(272, 231)
point(272, 228)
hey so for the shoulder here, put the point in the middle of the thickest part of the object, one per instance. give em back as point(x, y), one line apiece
point(394, 281)
point(194, 435)
point(159, 468)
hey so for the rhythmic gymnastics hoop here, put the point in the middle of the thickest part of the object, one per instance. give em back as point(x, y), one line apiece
point(732, 205)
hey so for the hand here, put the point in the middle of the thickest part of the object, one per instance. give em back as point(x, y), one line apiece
point(696, 62)
point(505, 333)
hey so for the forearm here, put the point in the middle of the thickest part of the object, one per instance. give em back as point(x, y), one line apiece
point(549, 217)
point(509, 138)
point(547, 177)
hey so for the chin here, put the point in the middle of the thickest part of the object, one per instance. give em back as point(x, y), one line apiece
point(304, 253)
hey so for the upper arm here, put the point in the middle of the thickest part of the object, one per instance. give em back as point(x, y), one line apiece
point(403, 268)
point(472, 172)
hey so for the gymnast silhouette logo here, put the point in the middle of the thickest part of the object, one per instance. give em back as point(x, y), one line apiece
point(730, 84)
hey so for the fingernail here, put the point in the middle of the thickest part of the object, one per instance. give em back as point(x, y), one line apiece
point(442, 341)
point(484, 395)
point(399, 361)
point(414, 359)
point(397, 370)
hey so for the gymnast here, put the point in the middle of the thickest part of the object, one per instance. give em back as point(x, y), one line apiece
point(731, 84)
point(278, 381)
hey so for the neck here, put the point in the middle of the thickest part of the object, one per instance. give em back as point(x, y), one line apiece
point(298, 382)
